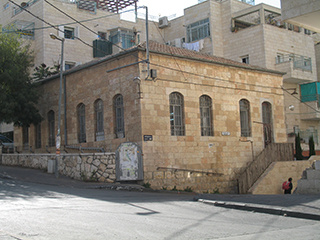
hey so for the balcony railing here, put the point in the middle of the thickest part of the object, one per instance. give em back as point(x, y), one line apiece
point(23, 5)
point(299, 62)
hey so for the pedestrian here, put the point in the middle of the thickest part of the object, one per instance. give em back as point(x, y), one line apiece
point(287, 186)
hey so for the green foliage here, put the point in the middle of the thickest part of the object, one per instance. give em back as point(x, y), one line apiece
point(164, 188)
point(18, 94)
point(216, 191)
point(43, 71)
point(147, 185)
point(311, 147)
point(188, 189)
point(298, 147)
point(174, 189)
point(92, 178)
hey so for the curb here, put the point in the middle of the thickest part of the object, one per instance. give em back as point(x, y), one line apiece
point(261, 209)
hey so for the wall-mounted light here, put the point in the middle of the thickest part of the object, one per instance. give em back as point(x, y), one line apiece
point(291, 89)
point(291, 107)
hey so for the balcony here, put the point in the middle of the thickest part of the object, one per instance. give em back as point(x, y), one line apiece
point(298, 68)
point(310, 101)
point(23, 28)
point(23, 5)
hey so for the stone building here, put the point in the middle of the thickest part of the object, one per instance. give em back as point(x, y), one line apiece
point(257, 35)
point(233, 29)
point(198, 119)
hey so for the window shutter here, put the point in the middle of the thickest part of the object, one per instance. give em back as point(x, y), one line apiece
point(76, 32)
point(61, 31)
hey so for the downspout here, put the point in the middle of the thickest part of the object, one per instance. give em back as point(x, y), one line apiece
point(147, 44)
point(65, 112)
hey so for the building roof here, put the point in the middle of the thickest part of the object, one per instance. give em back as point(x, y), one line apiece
point(155, 47)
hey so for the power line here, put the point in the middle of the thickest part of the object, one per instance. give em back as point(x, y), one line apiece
point(171, 54)
point(71, 23)
point(46, 22)
point(179, 70)
point(316, 110)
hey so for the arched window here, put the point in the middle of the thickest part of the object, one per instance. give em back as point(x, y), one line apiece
point(267, 122)
point(25, 138)
point(98, 108)
point(81, 111)
point(119, 116)
point(37, 134)
point(176, 114)
point(206, 116)
point(51, 129)
point(245, 119)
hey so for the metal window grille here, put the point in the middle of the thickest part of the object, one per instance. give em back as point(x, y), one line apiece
point(176, 114)
point(99, 120)
point(198, 30)
point(206, 116)
point(69, 33)
point(82, 123)
point(245, 118)
point(51, 128)
point(126, 38)
point(119, 116)
point(267, 122)
point(38, 135)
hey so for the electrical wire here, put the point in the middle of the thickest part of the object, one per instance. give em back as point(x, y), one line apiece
point(185, 78)
point(47, 22)
point(179, 70)
point(71, 23)
point(285, 90)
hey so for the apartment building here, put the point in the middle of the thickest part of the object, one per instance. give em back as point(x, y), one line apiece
point(90, 29)
point(257, 35)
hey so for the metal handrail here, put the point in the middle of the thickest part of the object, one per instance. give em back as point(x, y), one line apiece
point(80, 148)
point(189, 170)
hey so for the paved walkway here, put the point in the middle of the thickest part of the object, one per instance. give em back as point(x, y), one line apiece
point(294, 205)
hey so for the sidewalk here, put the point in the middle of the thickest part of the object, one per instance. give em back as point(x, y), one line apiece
point(293, 205)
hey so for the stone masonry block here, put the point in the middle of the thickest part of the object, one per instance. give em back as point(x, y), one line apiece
point(313, 174)
point(158, 175)
point(317, 165)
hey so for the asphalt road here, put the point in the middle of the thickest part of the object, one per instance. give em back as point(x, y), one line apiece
point(39, 211)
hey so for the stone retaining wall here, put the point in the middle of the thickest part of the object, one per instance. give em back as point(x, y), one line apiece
point(86, 166)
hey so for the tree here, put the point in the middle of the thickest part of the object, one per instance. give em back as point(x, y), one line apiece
point(311, 146)
point(18, 94)
point(43, 71)
point(299, 155)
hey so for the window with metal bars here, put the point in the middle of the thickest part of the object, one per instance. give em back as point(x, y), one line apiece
point(267, 122)
point(198, 30)
point(119, 116)
point(177, 124)
point(81, 123)
point(38, 135)
point(98, 107)
point(51, 128)
point(245, 119)
point(206, 116)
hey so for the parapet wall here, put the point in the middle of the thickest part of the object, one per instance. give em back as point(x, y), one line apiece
point(86, 166)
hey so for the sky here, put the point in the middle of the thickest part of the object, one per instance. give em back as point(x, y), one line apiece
point(175, 7)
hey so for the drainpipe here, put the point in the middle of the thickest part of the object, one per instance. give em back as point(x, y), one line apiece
point(65, 112)
point(147, 44)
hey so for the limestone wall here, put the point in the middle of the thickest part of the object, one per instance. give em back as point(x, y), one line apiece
point(278, 172)
point(87, 167)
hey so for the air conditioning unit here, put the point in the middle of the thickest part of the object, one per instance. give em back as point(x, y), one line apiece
point(163, 22)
